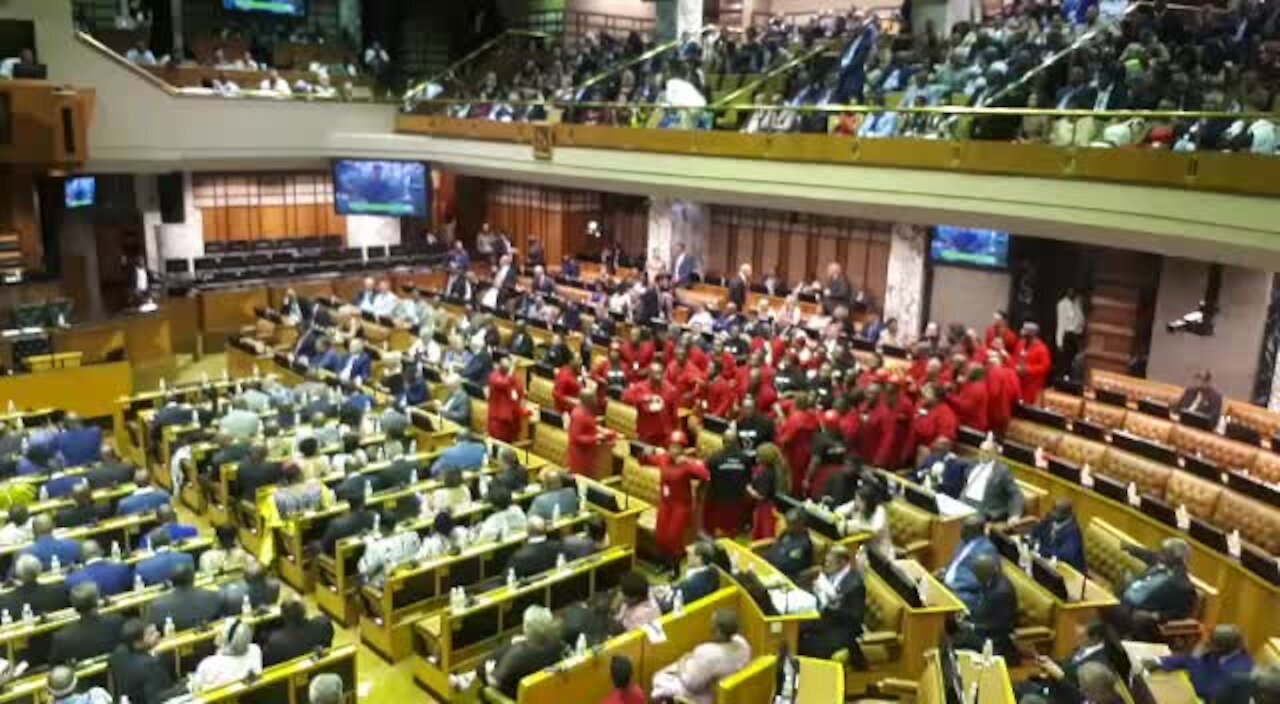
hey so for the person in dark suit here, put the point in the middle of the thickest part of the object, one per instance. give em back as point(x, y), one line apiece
point(960, 574)
point(510, 472)
point(145, 497)
point(357, 366)
point(79, 445)
point(172, 412)
point(538, 554)
point(186, 605)
point(1077, 94)
point(989, 486)
point(43, 598)
point(684, 268)
point(836, 290)
point(479, 364)
point(1058, 535)
point(1060, 681)
point(504, 278)
point(1201, 398)
point(109, 472)
point(355, 521)
point(995, 610)
point(297, 634)
point(521, 342)
point(170, 526)
point(1163, 592)
point(256, 472)
point(594, 539)
point(700, 577)
point(540, 648)
point(792, 552)
point(261, 589)
point(842, 601)
point(1262, 686)
point(738, 287)
point(136, 672)
point(92, 635)
point(164, 563)
point(82, 511)
point(110, 576)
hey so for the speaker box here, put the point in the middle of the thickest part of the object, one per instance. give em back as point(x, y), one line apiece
point(173, 210)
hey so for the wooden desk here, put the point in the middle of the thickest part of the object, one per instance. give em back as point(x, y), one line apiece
point(1086, 600)
point(145, 338)
point(1163, 687)
point(767, 633)
point(89, 391)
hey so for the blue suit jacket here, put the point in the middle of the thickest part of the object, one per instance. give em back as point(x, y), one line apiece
point(331, 361)
point(465, 456)
point(142, 502)
point(477, 368)
point(160, 566)
point(111, 577)
point(360, 367)
point(965, 583)
point(1067, 544)
point(177, 533)
point(61, 486)
point(80, 447)
point(45, 548)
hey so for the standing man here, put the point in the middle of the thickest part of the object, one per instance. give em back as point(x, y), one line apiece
point(1070, 330)
point(836, 290)
point(585, 435)
point(739, 285)
point(727, 505)
point(685, 267)
point(1033, 363)
point(678, 470)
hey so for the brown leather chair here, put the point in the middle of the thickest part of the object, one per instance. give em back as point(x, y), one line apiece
point(1149, 427)
point(1080, 451)
point(1257, 522)
point(1149, 475)
point(1063, 404)
point(1198, 495)
point(1135, 388)
point(1266, 422)
point(1104, 414)
point(1267, 466)
point(1226, 453)
point(1034, 435)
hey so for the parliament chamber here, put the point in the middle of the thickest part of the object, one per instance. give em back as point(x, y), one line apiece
point(770, 352)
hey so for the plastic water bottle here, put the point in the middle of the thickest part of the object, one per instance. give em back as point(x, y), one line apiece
point(55, 565)
point(28, 616)
point(511, 577)
point(413, 446)
point(163, 385)
point(484, 485)
point(225, 376)
point(115, 550)
point(922, 590)
point(368, 490)
point(377, 521)
point(138, 584)
point(124, 699)
point(555, 513)
point(12, 408)
point(560, 561)
point(413, 476)
point(580, 647)
point(169, 627)
point(256, 373)
point(246, 607)
point(677, 604)
point(6, 618)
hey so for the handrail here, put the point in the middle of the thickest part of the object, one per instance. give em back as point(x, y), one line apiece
point(452, 68)
point(656, 51)
point(137, 70)
point(784, 68)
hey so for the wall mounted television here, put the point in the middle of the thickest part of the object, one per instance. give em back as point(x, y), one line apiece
point(963, 246)
point(291, 8)
point(387, 188)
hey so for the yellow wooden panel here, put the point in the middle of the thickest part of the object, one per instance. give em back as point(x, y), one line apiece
point(90, 390)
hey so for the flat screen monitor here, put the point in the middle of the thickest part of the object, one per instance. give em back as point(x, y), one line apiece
point(387, 188)
point(81, 191)
point(290, 8)
point(987, 249)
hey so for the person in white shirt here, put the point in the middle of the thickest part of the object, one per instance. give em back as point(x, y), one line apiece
point(225, 87)
point(391, 549)
point(989, 486)
point(141, 55)
point(507, 518)
point(275, 83)
point(867, 514)
point(18, 528)
point(1070, 325)
point(453, 495)
point(702, 321)
point(890, 335)
point(385, 302)
point(237, 657)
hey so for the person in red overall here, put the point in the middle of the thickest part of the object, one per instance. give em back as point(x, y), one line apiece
point(1003, 391)
point(566, 389)
point(611, 371)
point(506, 401)
point(795, 437)
point(720, 397)
point(677, 472)
point(999, 328)
point(653, 421)
point(1033, 363)
point(971, 400)
point(935, 419)
point(585, 435)
point(877, 419)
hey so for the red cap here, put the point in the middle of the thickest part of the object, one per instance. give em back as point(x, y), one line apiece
point(679, 438)
point(830, 418)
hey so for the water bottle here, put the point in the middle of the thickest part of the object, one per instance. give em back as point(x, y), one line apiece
point(115, 550)
point(55, 565)
point(377, 521)
point(138, 584)
point(677, 604)
point(256, 373)
point(560, 561)
point(6, 618)
point(12, 408)
point(246, 607)
point(580, 647)
point(169, 627)
point(413, 446)
point(511, 577)
point(368, 490)
point(413, 476)
point(163, 385)
point(922, 590)
point(28, 616)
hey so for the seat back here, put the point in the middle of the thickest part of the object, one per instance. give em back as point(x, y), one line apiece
point(1199, 496)
point(1104, 414)
point(884, 606)
point(1149, 475)
point(908, 524)
point(1034, 435)
point(1227, 453)
point(1257, 522)
point(1134, 387)
point(1063, 404)
point(1267, 466)
point(1080, 451)
point(620, 418)
point(1148, 426)
point(551, 443)
point(479, 415)
point(754, 683)
point(1103, 551)
point(542, 391)
point(1265, 421)
point(1035, 604)
point(641, 481)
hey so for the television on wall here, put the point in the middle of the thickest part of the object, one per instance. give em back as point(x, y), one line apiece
point(387, 188)
point(987, 249)
point(80, 191)
point(291, 8)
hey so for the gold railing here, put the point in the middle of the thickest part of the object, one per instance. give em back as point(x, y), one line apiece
point(450, 71)
point(958, 151)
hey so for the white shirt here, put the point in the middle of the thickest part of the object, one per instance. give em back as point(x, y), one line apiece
point(503, 524)
point(702, 321)
point(824, 587)
point(1070, 318)
point(226, 88)
point(142, 58)
point(6, 66)
point(877, 525)
point(218, 669)
point(384, 554)
point(12, 534)
point(182, 454)
point(975, 487)
point(384, 304)
point(280, 86)
point(950, 576)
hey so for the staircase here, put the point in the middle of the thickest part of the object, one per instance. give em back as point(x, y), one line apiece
point(1119, 312)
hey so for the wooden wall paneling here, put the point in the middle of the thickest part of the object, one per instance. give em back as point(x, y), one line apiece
point(241, 223)
point(716, 258)
point(797, 258)
point(273, 221)
point(770, 251)
point(877, 270)
point(308, 219)
point(823, 252)
point(856, 259)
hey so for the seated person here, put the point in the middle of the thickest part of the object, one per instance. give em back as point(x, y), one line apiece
point(236, 658)
point(90, 635)
point(82, 511)
point(43, 598)
point(842, 602)
point(695, 675)
point(163, 562)
point(297, 634)
point(144, 498)
point(390, 549)
point(625, 691)
point(507, 518)
point(1058, 535)
point(700, 577)
point(64, 688)
point(457, 403)
point(17, 529)
point(467, 453)
point(868, 514)
point(1212, 666)
point(48, 548)
point(1201, 398)
point(595, 539)
point(445, 537)
point(994, 612)
point(227, 555)
point(958, 574)
point(178, 532)
point(1163, 592)
point(510, 471)
point(297, 496)
point(989, 486)
point(1060, 681)
point(792, 552)
point(635, 605)
point(558, 499)
point(537, 648)
point(453, 495)
point(110, 576)
point(1098, 684)
point(257, 585)
point(1262, 686)
point(79, 444)
point(187, 605)
point(538, 553)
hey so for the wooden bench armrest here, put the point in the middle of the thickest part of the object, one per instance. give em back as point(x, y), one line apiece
point(1181, 628)
point(914, 549)
point(896, 687)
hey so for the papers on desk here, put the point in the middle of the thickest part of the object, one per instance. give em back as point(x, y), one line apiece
point(953, 508)
point(654, 632)
point(793, 601)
